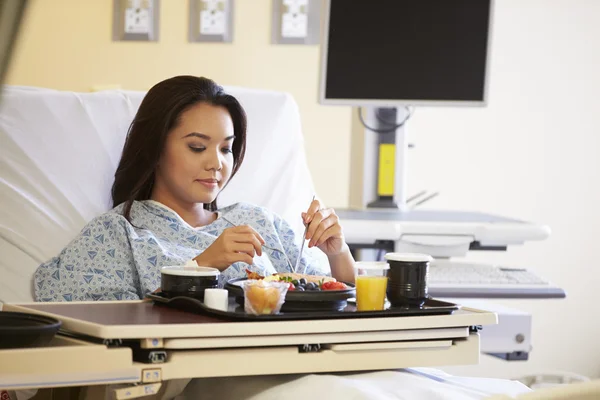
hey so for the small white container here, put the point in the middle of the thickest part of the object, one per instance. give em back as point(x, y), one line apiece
point(217, 299)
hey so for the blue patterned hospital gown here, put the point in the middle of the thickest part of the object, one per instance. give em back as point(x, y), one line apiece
point(113, 259)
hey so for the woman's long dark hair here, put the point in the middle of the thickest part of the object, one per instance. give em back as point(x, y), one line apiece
point(158, 114)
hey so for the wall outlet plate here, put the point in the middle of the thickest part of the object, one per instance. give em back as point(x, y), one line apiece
point(136, 20)
point(296, 22)
point(211, 21)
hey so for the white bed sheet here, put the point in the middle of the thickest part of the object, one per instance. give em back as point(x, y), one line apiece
point(408, 384)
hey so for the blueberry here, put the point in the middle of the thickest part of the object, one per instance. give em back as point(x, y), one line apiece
point(302, 281)
point(299, 289)
point(310, 286)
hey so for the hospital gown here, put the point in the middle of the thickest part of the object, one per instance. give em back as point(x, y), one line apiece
point(113, 259)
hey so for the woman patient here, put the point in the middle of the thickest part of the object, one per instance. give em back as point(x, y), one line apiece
point(185, 143)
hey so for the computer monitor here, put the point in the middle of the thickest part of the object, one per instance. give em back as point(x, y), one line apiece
point(389, 53)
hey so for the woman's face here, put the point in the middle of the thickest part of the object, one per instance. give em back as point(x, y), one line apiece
point(197, 160)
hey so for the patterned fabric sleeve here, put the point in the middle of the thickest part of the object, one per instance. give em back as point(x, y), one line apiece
point(97, 265)
point(313, 261)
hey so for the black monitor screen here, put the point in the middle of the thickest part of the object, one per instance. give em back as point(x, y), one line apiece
point(402, 50)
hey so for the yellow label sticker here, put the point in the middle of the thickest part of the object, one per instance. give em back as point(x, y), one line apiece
point(387, 158)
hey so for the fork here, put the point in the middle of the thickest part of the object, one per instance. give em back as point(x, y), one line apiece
point(303, 243)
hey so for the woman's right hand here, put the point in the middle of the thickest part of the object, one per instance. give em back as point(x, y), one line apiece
point(240, 243)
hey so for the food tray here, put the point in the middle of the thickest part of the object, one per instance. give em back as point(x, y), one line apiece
point(236, 311)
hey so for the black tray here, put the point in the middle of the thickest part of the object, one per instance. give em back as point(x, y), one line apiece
point(236, 312)
point(310, 300)
point(23, 330)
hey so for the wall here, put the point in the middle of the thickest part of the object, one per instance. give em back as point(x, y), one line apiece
point(67, 44)
point(531, 154)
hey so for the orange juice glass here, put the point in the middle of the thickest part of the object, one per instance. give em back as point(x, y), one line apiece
point(371, 284)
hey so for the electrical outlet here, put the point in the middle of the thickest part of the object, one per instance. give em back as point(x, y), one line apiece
point(212, 17)
point(294, 21)
point(211, 20)
point(138, 17)
point(135, 20)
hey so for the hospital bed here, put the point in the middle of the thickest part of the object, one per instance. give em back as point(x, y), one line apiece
point(58, 153)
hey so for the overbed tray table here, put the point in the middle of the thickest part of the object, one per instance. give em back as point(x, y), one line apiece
point(142, 343)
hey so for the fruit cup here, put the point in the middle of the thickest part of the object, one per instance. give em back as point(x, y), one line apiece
point(261, 297)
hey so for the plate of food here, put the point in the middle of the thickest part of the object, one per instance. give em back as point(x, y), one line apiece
point(305, 292)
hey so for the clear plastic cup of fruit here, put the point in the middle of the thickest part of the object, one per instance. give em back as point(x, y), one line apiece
point(263, 297)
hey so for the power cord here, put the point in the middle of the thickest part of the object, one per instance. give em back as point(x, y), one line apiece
point(393, 128)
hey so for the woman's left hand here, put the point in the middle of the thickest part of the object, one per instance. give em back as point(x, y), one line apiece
point(324, 229)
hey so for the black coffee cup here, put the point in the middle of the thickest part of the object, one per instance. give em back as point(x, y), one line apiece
point(407, 279)
point(188, 281)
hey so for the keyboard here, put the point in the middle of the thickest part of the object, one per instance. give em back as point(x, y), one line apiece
point(475, 280)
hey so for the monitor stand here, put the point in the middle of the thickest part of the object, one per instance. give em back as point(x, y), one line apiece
point(385, 158)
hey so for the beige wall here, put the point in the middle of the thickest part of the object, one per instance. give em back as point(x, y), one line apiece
point(67, 45)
